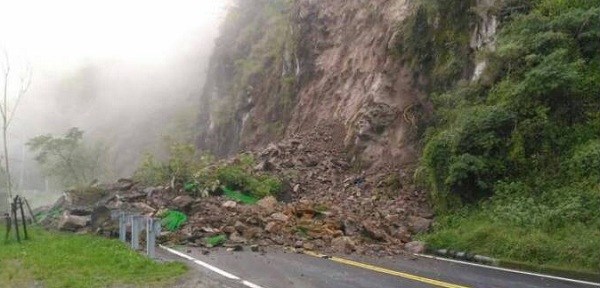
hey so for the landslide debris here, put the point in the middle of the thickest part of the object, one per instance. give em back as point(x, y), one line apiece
point(329, 204)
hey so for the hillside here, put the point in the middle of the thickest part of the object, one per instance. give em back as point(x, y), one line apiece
point(490, 107)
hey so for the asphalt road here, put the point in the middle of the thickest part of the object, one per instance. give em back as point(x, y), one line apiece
point(278, 268)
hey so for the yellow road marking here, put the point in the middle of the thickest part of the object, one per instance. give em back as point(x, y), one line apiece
point(386, 271)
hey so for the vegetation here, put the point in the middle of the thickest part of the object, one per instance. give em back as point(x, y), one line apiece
point(13, 76)
point(254, 71)
point(201, 175)
point(434, 41)
point(66, 260)
point(512, 160)
point(68, 159)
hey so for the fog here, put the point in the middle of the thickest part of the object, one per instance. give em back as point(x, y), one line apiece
point(122, 71)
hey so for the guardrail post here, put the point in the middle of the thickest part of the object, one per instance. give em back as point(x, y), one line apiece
point(152, 230)
point(122, 227)
point(135, 232)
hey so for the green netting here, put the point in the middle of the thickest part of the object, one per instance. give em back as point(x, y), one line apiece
point(239, 197)
point(173, 220)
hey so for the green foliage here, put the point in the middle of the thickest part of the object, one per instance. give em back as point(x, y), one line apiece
point(216, 240)
point(201, 175)
point(151, 172)
point(585, 162)
point(260, 48)
point(53, 259)
point(68, 159)
point(513, 161)
point(258, 186)
point(572, 247)
point(184, 161)
point(542, 104)
point(173, 220)
point(434, 41)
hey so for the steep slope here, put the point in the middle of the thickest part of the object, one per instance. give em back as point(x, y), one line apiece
point(495, 102)
point(282, 68)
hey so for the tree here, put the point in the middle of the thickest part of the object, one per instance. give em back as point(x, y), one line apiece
point(21, 82)
point(68, 159)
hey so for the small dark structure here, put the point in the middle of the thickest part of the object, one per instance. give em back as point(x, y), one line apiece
point(12, 218)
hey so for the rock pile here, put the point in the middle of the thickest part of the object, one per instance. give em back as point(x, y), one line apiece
point(329, 205)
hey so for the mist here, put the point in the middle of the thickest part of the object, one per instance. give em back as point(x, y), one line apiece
point(122, 71)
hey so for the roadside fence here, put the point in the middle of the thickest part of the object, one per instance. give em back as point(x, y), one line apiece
point(134, 225)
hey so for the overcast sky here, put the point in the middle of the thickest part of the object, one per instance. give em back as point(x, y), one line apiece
point(112, 67)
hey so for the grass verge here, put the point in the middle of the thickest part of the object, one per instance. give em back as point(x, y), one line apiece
point(572, 248)
point(56, 259)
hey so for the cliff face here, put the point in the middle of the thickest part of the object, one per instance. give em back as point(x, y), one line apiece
point(284, 67)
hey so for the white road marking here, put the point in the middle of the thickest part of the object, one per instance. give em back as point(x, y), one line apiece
point(250, 284)
point(510, 270)
point(210, 267)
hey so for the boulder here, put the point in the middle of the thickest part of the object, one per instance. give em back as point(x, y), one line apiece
point(183, 202)
point(265, 165)
point(350, 227)
point(72, 223)
point(273, 227)
point(419, 224)
point(343, 244)
point(124, 184)
point(416, 247)
point(229, 204)
point(101, 216)
point(371, 230)
point(237, 238)
point(143, 208)
point(280, 217)
point(268, 204)
point(239, 226)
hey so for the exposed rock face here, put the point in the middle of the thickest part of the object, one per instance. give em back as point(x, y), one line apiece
point(334, 66)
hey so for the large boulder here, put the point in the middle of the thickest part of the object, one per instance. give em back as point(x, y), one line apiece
point(182, 203)
point(419, 224)
point(268, 204)
point(343, 244)
point(72, 223)
point(416, 247)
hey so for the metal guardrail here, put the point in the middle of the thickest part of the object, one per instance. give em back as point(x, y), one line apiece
point(136, 224)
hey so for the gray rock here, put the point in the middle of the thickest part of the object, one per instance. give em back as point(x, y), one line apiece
point(183, 202)
point(280, 217)
point(229, 204)
point(416, 247)
point(237, 238)
point(73, 223)
point(143, 208)
point(350, 227)
point(419, 224)
point(343, 244)
point(268, 204)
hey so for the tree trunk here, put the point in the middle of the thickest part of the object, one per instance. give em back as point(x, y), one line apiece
point(6, 165)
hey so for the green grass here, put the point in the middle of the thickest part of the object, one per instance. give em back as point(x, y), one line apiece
point(67, 260)
point(572, 247)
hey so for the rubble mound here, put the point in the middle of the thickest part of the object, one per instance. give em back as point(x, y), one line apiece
point(330, 204)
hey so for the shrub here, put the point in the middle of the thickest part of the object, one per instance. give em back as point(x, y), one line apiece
point(585, 162)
